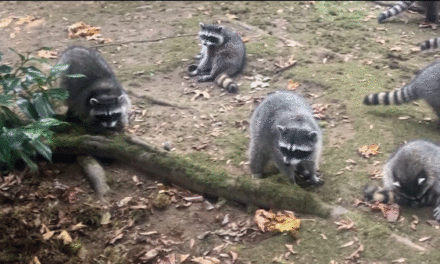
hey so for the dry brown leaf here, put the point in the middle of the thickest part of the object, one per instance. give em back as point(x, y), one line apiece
point(285, 65)
point(367, 151)
point(205, 260)
point(292, 86)
point(83, 30)
point(35, 260)
point(233, 256)
point(390, 212)
point(319, 111)
point(376, 174)
point(347, 244)
point(24, 20)
point(47, 54)
point(65, 237)
point(381, 41)
point(34, 23)
point(290, 248)
point(281, 221)
point(423, 239)
point(396, 48)
point(5, 22)
point(345, 224)
point(77, 226)
point(356, 254)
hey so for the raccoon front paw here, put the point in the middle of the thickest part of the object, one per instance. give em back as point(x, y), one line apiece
point(316, 181)
point(436, 213)
point(192, 69)
point(233, 88)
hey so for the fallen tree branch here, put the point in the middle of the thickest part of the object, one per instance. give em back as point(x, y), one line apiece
point(95, 174)
point(145, 41)
point(184, 172)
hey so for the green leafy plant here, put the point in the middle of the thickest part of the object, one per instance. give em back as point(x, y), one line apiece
point(29, 90)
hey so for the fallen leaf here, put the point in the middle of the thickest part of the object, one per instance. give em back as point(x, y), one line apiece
point(390, 212)
point(345, 224)
point(369, 150)
point(401, 260)
point(396, 48)
point(356, 254)
point(423, 239)
point(205, 260)
point(47, 54)
point(281, 221)
point(233, 256)
point(292, 86)
point(105, 218)
point(65, 237)
point(290, 248)
point(347, 244)
point(5, 22)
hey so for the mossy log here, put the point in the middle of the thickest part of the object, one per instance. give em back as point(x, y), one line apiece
point(184, 172)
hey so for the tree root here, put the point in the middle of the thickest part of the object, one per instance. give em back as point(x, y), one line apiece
point(184, 172)
point(95, 174)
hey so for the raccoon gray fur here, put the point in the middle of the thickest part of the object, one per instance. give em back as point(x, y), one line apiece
point(97, 100)
point(431, 10)
point(424, 85)
point(284, 130)
point(411, 177)
point(222, 56)
point(433, 43)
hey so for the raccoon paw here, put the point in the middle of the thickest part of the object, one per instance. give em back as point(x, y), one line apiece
point(316, 181)
point(436, 213)
point(233, 88)
point(192, 69)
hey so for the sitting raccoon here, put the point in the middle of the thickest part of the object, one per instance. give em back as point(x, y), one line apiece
point(425, 85)
point(222, 56)
point(284, 130)
point(97, 100)
point(411, 177)
point(431, 9)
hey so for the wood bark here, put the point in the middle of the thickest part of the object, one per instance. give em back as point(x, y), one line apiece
point(184, 172)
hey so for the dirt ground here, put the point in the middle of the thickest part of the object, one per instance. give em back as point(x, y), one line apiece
point(341, 54)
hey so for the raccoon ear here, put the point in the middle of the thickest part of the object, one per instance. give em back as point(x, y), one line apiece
point(397, 184)
point(313, 136)
point(220, 28)
point(420, 180)
point(281, 128)
point(201, 25)
point(94, 101)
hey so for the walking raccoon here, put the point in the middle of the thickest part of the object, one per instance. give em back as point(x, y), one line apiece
point(431, 9)
point(222, 56)
point(430, 44)
point(98, 100)
point(284, 130)
point(411, 177)
point(424, 85)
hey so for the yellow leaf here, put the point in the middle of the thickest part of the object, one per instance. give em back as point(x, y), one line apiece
point(65, 237)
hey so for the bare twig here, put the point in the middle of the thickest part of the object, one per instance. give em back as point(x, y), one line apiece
point(155, 101)
point(144, 41)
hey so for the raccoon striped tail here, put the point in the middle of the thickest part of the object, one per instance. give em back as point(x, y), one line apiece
point(396, 97)
point(374, 193)
point(224, 81)
point(430, 44)
point(395, 10)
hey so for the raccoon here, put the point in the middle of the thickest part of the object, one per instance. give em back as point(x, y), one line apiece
point(430, 44)
point(284, 130)
point(424, 85)
point(411, 177)
point(222, 56)
point(97, 100)
point(431, 9)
